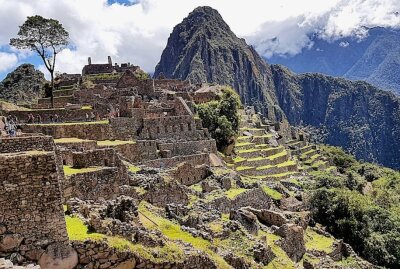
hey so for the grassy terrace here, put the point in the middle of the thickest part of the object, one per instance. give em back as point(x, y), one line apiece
point(243, 168)
point(71, 140)
point(258, 149)
point(241, 138)
point(174, 232)
point(115, 142)
point(243, 144)
point(316, 241)
point(78, 231)
point(232, 193)
point(68, 170)
point(71, 123)
point(272, 193)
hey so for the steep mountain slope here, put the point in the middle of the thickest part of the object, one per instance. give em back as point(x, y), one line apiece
point(354, 115)
point(23, 85)
point(375, 59)
point(203, 49)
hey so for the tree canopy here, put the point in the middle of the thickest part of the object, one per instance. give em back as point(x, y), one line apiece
point(46, 37)
point(221, 117)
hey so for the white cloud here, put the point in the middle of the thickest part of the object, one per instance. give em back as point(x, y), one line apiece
point(7, 61)
point(138, 33)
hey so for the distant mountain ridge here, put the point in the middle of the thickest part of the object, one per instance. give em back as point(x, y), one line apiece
point(375, 58)
point(355, 115)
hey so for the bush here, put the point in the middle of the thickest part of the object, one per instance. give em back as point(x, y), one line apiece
point(221, 117)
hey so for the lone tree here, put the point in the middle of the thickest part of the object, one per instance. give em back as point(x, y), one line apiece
point(47, 37)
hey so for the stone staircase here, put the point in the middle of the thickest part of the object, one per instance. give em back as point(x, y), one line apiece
point(257, 152)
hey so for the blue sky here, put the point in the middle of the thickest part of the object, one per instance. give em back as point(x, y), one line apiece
point(136, 31)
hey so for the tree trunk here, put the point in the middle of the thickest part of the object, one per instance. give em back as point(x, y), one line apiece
point(52, 89)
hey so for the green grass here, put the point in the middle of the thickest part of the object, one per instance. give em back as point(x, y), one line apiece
point(287, 163)
point(173, 231)
point(114, 142)
point(232, 193)
point(70, 140)
point(260, 158)
point(86, 107)
point(280, 154)
point(282, 260)
point(68, 170)
point(243, 144)
point(78, 231)
point(238, 159)
point(272, 193)
point(243, 168)
point(133, 168)
point(316, 241)
point(71, 123)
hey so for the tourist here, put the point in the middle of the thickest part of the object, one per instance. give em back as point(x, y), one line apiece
point(51, 119)
point(87, 117)
point(117, 112)
point(56, 118)
point(38, 119)
point(92, 116)
point(31, 119)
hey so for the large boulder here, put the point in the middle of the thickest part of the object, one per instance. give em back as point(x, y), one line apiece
point(246, 218)
point(59, 256)
point(10, 242)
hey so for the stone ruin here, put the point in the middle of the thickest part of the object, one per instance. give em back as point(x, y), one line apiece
point(117, 139)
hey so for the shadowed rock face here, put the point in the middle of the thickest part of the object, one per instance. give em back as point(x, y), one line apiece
point(202, 48)
point(354, 115)
point(23, 85)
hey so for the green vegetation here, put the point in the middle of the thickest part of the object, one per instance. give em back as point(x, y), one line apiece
point(174, 232)
point(78, 231)
point(68, 170)
point(272, 193)
point(114, 142)
point(316, 241)
point(368, 220)
point(70, 140)
point(232, 193)
point(221, 117)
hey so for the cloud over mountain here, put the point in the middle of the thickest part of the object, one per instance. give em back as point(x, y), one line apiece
point(137, 31)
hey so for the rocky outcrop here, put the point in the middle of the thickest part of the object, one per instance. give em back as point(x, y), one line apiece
point(23, 85)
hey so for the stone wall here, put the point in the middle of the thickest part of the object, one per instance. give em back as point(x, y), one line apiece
point(94, 131)
point(26, 143)
point(178, 127)
point(64, 115)
point(30, 200)
point(101, 184)
point(90, 257)
point(195, 159)
point(188, 174)
point(189, 147)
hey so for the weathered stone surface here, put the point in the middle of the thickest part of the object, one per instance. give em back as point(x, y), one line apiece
point(126, 265)
point(58, 256)
point(292, 241)
point(246, 218)
point(10, 242)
